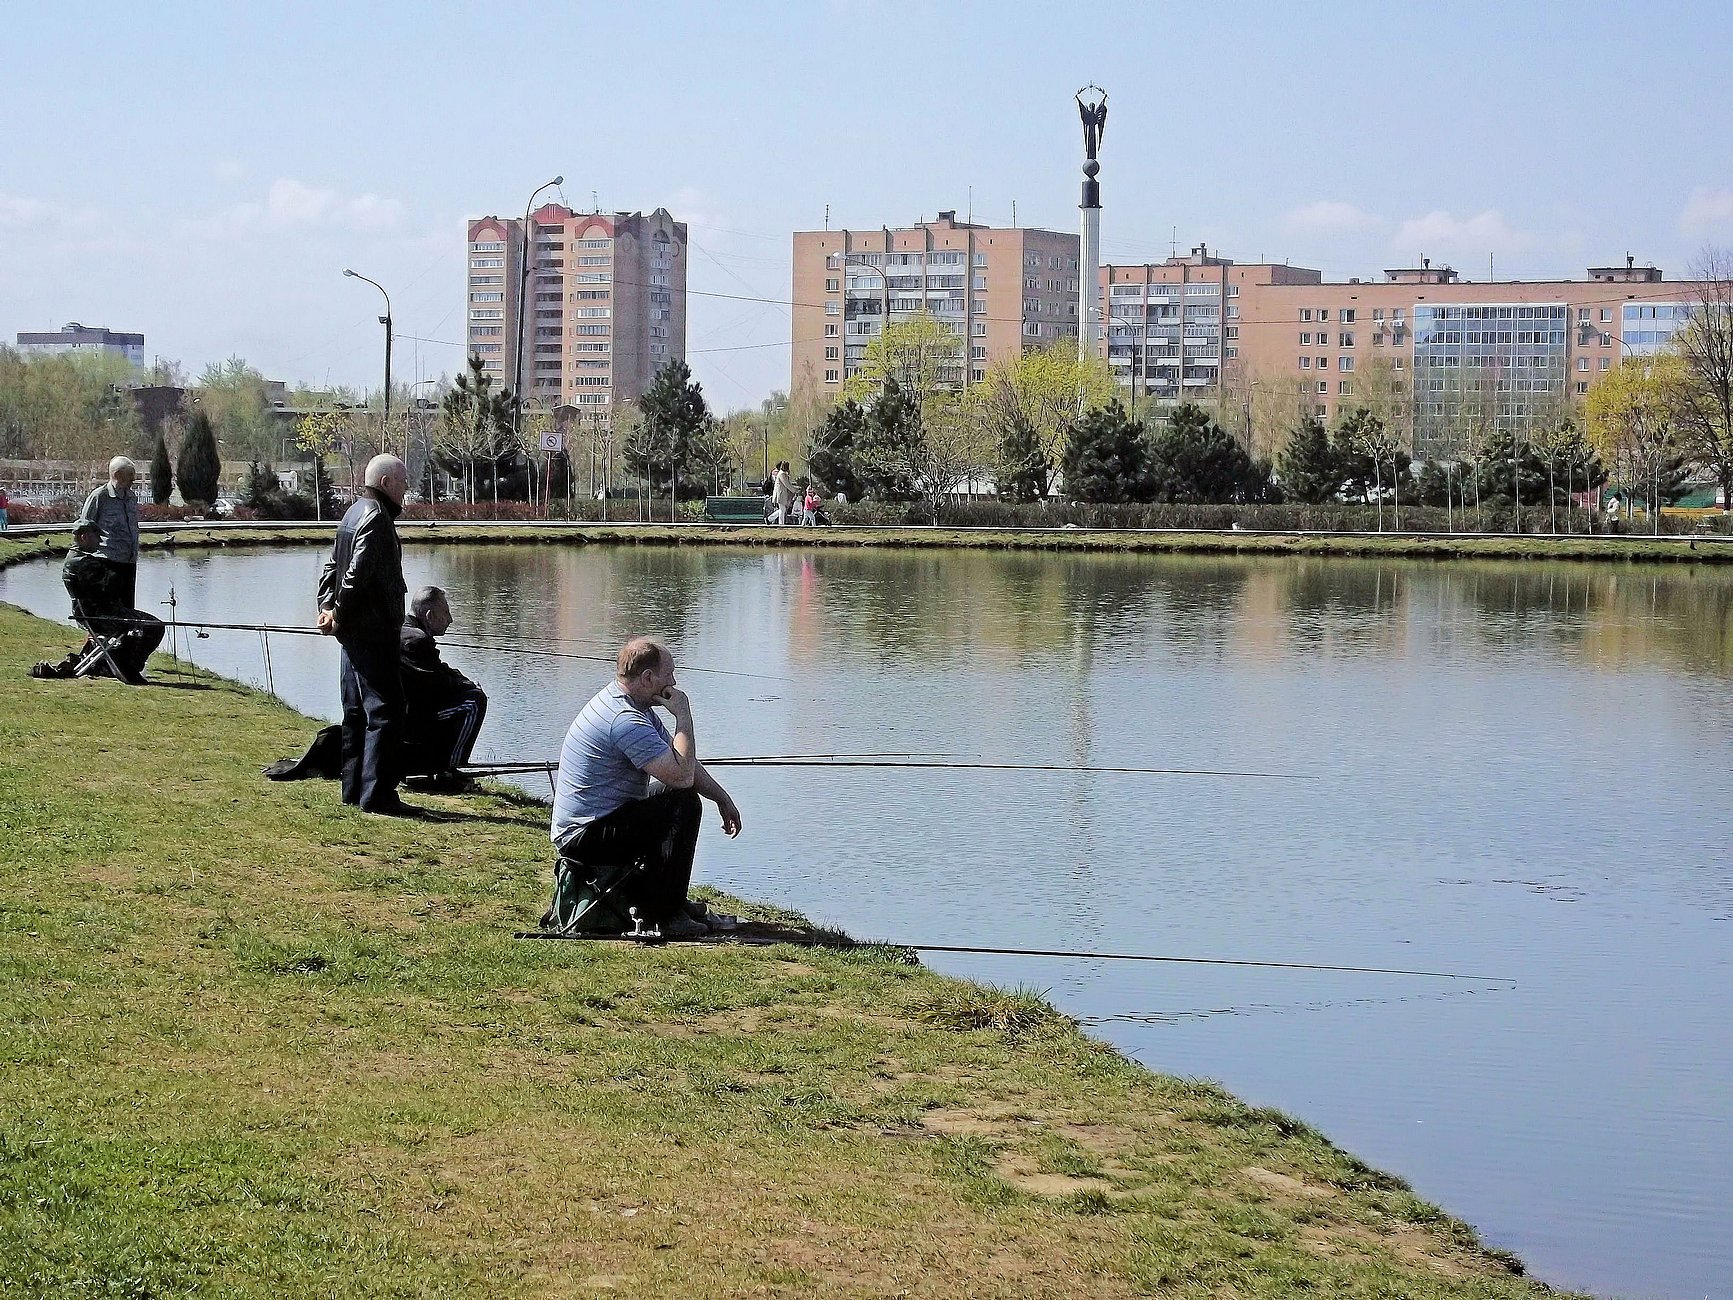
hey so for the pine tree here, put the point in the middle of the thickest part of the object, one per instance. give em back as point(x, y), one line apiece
point(835, 444)
point(1307, 467)
point(675, 419)
point(888, 444)
point(1195, 459)
point(162, 484)
point(200, 468)
point(1024, 474)
point(1107, 458)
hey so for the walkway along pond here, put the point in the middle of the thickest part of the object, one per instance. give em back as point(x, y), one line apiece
point(1522, 769)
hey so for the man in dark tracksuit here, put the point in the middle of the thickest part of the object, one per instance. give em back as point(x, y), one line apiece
point(98, 595)
point(444, 709)
point(361, 604)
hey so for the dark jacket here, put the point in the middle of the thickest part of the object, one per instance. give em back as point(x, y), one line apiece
point(91, 582)
point(429, 683)
point(363, 579)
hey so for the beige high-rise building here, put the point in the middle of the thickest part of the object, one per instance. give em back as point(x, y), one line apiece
point(999, 290)
point(1203, 327)
point(607, 300)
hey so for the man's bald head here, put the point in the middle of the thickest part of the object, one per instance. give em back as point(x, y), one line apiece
point(640, 655)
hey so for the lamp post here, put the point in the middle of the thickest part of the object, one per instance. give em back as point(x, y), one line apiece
point(517, 395)
point(884, 320)
point(384, 320)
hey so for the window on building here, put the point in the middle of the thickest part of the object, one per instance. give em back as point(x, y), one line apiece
point(830, 329)
point(1606, 313)
point(830, 377)
point(1323, 386)
point(1582, 363)
point(832, 284)
point(980, 259)
point(830, 354)
point(1345, 340)
point(1305, 363)
point(1344, 363)
point(1377, 313)
point(980, 328)
point(978, 375)
point(1231, 353)
point(1305, 313)
point(832, 307)
point(977, 354)
point(1346, 387)
point(1305, 338)
point(1606, 340)
point(1395, 363)
point(1346, 315)
point(1606, 362)
point(1582, 386)
point(1323, 363)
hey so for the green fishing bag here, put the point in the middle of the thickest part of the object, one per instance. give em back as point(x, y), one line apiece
point(590, 899)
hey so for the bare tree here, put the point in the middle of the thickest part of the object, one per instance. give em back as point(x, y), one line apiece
point(1703, 402)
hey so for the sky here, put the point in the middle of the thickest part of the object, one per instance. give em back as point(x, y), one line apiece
point(203, 173)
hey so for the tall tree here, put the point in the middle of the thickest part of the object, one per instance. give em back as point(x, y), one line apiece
point(831, 455)
point(676, 418)
point(1195, 459)
point(1308, 468)
point(1703, 399)
point(475, 420)
point(236, 398)
point(161, 473)
point(1107, 458)
point(888, 443)
point(1029, 403)
point(1630, 417)
point(200, 468)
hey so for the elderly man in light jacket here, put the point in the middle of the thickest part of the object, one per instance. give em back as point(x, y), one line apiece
point(113, 511)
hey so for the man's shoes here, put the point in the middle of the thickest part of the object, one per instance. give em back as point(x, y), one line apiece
point(392, 807)
point(719, 922)
point(681, 926)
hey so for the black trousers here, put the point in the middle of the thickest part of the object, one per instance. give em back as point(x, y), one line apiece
point(140, 634)
point(446, 738)
point(125, 577)
point(662, 833)
point(372, 721)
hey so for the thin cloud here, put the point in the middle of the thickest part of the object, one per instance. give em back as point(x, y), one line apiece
point(1444, 233)
point(291, 205)
point(1330, 217)
point(1707, 209)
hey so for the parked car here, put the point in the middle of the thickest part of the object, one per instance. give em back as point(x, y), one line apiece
point(224, 507)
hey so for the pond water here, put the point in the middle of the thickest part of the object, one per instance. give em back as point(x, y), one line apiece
point(1521, 770)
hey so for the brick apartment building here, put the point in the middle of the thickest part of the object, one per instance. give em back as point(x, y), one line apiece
point(999, 290)
point(607, 296)
point(1192, 327)
point(84, 339)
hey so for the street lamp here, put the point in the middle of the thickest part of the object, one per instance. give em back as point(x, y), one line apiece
point(517, 422)
point(884, 276)
point(384, 320)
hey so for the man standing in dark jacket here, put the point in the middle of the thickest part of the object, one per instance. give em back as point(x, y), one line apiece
point(361, 604)
point(445, 709)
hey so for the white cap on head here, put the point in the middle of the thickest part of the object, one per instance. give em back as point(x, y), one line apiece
point(389, 475)
point(122, 464)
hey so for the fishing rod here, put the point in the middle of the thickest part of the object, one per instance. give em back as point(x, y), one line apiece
point(802, 941)
point(901, 761)
point(293, 630)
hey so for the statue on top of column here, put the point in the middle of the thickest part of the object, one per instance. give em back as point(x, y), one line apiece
point(1094, 117)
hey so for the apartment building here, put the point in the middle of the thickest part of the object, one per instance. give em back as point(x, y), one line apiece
point(1193, 327)
point(606, 302)
point(84, 339)
point(998, 290)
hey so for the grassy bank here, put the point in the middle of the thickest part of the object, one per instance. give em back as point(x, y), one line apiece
point(256, 1044)
point(1420, 546)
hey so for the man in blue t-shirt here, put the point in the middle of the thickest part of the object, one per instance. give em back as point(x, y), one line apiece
point(604, 811)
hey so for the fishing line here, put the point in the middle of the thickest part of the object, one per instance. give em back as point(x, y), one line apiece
point(1061, 953)
point(899, 761)
point(288, 630)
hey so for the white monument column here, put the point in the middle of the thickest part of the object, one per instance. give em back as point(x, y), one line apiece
point(1094, 117)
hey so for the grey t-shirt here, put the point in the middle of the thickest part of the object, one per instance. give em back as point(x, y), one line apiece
point(602, 761)
point(115, 515)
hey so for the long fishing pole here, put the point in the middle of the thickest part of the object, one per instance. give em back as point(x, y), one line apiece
point(898, 761)
point(1063, 953)
point(293, 630)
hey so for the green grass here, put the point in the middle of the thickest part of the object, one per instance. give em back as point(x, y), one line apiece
point(255, 1044)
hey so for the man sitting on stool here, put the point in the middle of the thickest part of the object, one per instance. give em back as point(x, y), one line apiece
point(444, 708)
point(605, 814)
point(98, 592)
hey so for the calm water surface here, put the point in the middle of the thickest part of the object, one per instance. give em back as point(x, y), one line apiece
point(1525, 770)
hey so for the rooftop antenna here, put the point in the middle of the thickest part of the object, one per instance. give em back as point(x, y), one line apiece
point(1013, 214)
point(827, 216)
point(595, 202)
point(971, 220)
point(1173, 243)
point(1489, 276)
